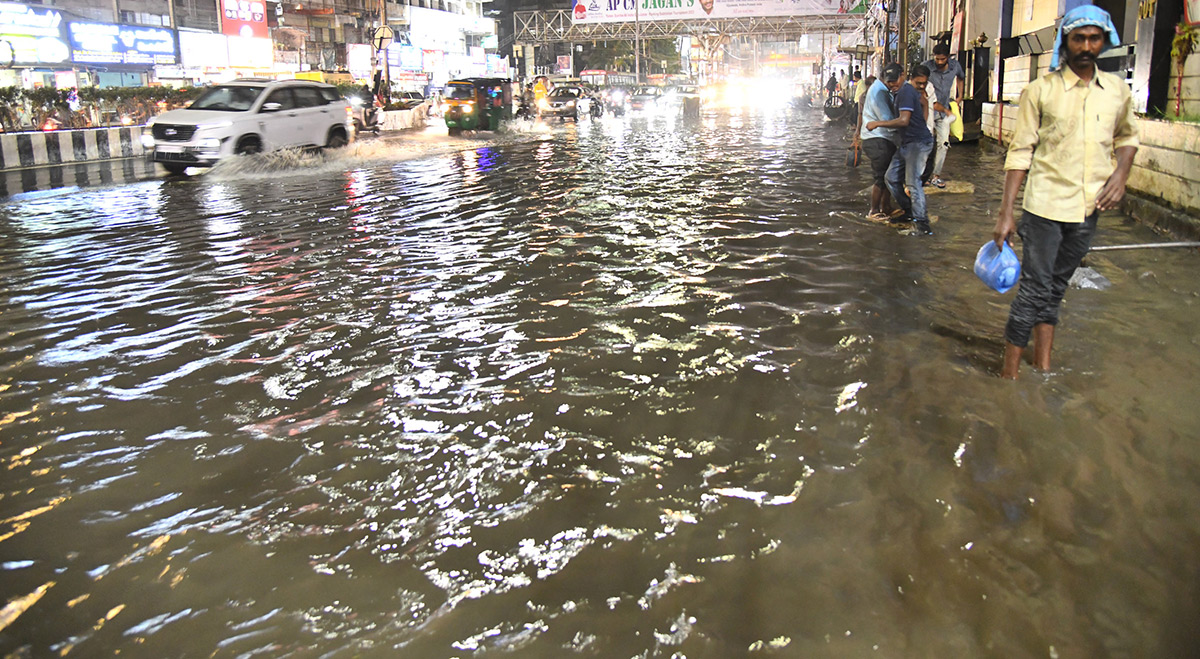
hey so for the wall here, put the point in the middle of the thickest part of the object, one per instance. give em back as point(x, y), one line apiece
point(1033, 15)
point(1167, 166)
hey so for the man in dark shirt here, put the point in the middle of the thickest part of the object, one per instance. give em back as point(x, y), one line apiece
point(915, 144)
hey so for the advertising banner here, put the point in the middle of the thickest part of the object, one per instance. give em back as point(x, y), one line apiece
point(31, 35)
point(109, 43)
point(358, 59)
point(244, 18)
point(613, 11)
point(203, 50)
point(251, 53)
point(408, 58)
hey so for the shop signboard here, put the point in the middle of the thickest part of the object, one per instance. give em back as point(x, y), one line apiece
point(244, 18)
point(614, 11)
point(32, 35)
point(110, 43)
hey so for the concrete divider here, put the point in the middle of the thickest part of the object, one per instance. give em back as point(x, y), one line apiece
point(405, 119)
point(37, 148)
point(58, 147)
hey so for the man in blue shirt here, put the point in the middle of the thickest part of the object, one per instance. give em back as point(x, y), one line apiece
point(946, 75)
point(915, 144)
point(879, 145)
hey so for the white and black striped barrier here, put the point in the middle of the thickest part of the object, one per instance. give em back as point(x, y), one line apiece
point(58, 147)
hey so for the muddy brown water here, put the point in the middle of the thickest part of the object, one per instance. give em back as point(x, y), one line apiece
point(640, 387)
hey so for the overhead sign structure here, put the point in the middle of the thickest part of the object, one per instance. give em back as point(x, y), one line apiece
point(109, 43)
point(34, 35)
point(613, 11)
point(383, 36)
point(245, 18)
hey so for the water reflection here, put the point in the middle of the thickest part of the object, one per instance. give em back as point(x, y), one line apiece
point(645, 388)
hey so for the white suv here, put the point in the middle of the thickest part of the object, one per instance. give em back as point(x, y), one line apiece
point(248, 116)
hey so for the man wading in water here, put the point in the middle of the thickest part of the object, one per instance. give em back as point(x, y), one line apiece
point(1068, 124)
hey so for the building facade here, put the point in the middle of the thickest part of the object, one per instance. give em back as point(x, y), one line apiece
point(70, 43)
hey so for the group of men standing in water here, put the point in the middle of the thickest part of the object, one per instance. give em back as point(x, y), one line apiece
point(898, 123)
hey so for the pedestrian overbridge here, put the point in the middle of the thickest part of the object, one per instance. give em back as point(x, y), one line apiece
point(534, 28)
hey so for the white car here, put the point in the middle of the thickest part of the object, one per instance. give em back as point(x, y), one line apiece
point(248, 116)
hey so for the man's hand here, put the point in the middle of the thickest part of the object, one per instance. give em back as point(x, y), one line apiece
point(1114, 188)
point(1111, 194)
point(1006, 226)
point(872, 124)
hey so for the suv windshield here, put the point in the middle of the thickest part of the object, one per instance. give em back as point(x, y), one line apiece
point(647, 91)
point(570, 92)
point(229, 98)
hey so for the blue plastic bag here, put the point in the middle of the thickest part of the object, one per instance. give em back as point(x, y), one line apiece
point(998, 268)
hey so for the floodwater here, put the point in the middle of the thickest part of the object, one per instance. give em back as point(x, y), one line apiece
point(641, 387)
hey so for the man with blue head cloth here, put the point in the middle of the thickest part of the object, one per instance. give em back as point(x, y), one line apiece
point(1069, 125)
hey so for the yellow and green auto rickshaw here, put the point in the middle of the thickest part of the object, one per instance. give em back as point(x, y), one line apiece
point(477, 104)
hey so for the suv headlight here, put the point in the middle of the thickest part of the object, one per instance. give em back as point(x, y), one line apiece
point(210, 143)
point(147, 138)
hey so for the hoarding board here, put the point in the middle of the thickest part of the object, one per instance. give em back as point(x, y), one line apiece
point(244, 18)
point(109, 43)
point(251, 53)
point(612, 11)
point(203, 50)
point(35, 35)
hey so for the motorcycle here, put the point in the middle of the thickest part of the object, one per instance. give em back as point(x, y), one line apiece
point(615, 102)
point(365, 115)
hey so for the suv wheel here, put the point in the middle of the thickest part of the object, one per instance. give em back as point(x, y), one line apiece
point(174, 167)
point(337, 139)
point(248, 145)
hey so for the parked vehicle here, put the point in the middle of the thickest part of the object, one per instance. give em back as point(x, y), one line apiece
point(477, 104)
point(408, 100)
point(248, 116)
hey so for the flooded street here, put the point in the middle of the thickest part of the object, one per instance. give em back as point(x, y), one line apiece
point(642, 387)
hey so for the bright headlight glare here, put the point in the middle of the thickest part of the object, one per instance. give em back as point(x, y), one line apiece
point(210, 143)
point(445, 107)
point(147, 141)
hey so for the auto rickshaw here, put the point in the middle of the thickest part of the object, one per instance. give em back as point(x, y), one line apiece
point(477, 104)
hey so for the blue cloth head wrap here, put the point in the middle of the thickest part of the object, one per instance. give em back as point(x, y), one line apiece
point(1079, 17)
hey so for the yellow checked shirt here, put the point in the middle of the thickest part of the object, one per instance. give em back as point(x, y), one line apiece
point(1066, 133)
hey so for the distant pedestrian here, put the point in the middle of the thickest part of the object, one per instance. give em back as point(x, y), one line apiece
point(879, 144)
point(1069, 123)
point(852, 95)
point(915, 144)
point(946, 76)
point(831, 86)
